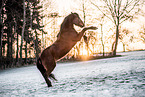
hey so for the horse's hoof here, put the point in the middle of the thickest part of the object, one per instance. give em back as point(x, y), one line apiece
point(49, 86)
point(93, 28)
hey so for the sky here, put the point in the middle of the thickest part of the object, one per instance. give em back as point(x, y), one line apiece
point(65, 7)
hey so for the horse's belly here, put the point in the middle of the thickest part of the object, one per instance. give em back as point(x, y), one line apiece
point(61, 51)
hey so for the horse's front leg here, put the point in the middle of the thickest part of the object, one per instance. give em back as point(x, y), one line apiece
point(79, 36)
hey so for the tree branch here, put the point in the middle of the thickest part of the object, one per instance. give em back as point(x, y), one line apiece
point(108, 3)
point(127, 16)
point(101, 11)
point(127, 5)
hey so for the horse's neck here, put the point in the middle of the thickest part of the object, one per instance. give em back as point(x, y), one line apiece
point(64, 31)
point(65, 27)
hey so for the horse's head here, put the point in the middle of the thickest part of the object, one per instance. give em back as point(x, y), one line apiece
point(76, 20)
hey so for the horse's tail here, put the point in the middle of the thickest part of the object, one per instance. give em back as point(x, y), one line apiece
point(43, 70)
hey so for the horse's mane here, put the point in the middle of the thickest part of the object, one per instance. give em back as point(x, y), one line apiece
point(67, 22)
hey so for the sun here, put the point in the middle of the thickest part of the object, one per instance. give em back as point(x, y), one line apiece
point(85, 52)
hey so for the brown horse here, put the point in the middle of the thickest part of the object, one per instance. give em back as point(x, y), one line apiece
point(66, 39)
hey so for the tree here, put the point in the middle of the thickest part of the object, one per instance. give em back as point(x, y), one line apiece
point(86, 37)
point(37, 27)
point(23, 30)
point(102, 41)
point(142, 34)
point(1, 25)
point(119, 11)
point(122, 35)
point(16, 21)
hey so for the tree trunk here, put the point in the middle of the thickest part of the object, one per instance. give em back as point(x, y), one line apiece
point(43, 40)
point(17, 52)
point(26, 53)
point(9, 35)
point(23, 30)
point(1, 28)
point(84, 12)
point(37, 48)
point(78, 51)
point(123, 47)
point(31, 23)
point(113, 46)
point(11, 46)
point(116, 40)
point(102, 38)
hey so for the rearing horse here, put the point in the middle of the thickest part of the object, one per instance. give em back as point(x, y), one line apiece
point(66, 39)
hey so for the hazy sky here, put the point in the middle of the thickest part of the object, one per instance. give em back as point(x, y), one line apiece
point(65, 7)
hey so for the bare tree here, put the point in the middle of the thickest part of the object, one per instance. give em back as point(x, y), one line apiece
point(85, 37)
point(118, 11)
point(142, 34)
point(122, 34)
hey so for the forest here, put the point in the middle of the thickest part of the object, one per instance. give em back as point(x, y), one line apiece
point(29, 26)
point(19, 34)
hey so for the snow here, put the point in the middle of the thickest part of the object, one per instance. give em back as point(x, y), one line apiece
point(112, 77)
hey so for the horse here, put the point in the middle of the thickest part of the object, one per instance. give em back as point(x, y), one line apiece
point(66, 39)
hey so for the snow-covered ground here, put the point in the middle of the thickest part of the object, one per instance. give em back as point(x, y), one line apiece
point(112, 77)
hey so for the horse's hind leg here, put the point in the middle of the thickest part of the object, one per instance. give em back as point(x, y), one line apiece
point(50, 65)
point(52, 77)
point(47, 80)
point(43, 71)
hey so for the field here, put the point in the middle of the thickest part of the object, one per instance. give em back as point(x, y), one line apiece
point(112, 77)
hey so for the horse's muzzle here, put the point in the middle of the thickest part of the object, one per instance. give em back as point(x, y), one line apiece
point(81, 24)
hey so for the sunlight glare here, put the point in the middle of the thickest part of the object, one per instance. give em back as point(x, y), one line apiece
point(85, 52)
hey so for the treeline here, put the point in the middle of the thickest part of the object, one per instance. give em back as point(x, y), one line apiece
point(20, 27)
